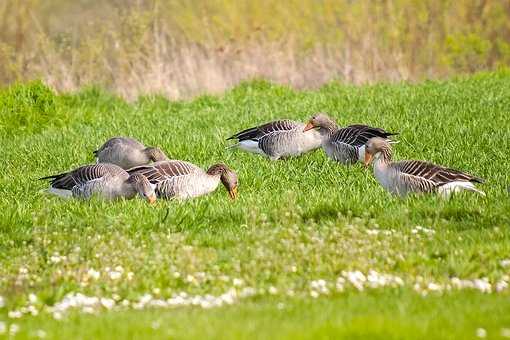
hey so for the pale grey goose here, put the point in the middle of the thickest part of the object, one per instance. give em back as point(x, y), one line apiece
point(108, 181)
point(182, 180)
point(277, 139)
point(404, 177)
point(127, 152)
point(345, 145)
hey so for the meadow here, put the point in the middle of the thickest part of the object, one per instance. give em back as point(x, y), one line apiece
point(310, 249)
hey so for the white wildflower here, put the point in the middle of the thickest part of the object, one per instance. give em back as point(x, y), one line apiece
point(93, 273)
point(40, 334)
point(14, 314)
point(88, 310)
point(434, 287)
point(314, 294)
point(247, 292)
point(505, 332)
point(32, 310)
point(32, 298)
point(482, 285)
point(2, 302)
point(130, 276)
point(114, 275)
point(273, 290)
point(356, 278)
point(237, 282)
point(3, 327)
point(107, 303)
point(55, 258)
point(505, 263)
point(501, 286)
point(13, 329)
point(481, 333)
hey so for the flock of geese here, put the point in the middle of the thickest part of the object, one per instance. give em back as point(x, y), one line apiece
point(126, 168)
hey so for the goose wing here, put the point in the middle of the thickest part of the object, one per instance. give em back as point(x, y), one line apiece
point(161, 171)
point(83, 174)
point(358, 135)
point(436, 174)
point(255, 133)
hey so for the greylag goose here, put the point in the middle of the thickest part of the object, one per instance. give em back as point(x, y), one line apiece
point(108, 181)
point(345, 145)
point(404, 177)
point(277, 139)
point(127, 153)
point(182, 180)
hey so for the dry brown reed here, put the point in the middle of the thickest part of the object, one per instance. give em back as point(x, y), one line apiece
point(184, 48)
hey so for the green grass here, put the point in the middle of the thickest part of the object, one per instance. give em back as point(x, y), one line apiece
point(295, 222)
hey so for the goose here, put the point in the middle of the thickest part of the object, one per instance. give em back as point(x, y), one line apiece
point(345, 145)
point(127, 152)
point(277, 139)
point(108, 181)
point(405, 177)
point(183, 180)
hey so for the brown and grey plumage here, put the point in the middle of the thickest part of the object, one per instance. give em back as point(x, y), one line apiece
point(405, 177)
point(108, 181)
point(128, 152)
point(345, 145)
point(182, 180)
point(277, 139)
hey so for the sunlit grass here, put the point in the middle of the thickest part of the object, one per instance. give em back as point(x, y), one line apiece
point(293, 243)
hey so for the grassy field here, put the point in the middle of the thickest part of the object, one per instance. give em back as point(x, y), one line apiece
point(311, 249)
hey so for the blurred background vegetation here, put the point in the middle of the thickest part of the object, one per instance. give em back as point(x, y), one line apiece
point(180, 48)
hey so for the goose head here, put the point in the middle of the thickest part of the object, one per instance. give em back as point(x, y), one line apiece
point(227, 176)
point(142, 187)
point(155, 154)
point(320, 121)
point(375, 148)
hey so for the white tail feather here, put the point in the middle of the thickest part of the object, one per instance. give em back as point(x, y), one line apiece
point(458, 186)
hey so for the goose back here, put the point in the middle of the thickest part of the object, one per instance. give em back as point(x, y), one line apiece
point(178, 179)
point(123, 151)
point(277, 139)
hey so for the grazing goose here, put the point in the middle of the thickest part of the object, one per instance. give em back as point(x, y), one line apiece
point(182, 180)
point(108, 181)
point(277, 139)
point(344, 145)
point(404, 177)
point(127, 153)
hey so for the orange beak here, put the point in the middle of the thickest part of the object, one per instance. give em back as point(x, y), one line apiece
point(368, 158)
point(151, 199)
point(233, 193)
point(308, 126)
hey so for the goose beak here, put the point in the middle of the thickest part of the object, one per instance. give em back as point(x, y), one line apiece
point(151, 199)
point(368, 159)
point(233, 193)
point(308, 126)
